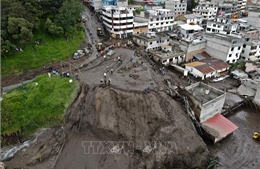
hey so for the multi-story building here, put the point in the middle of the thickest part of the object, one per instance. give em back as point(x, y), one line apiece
point(251, 50)
point(179, 6)
point(221, 25)
point(254, 17)
point(188, 31)
point(118, 21)
point(98, 4)
point(225, 47)
point(207, 103)
point(241, 5)
point(151, 40)
point(227, 7)
point(159, 20)
point(207, 10)
point(190, 18)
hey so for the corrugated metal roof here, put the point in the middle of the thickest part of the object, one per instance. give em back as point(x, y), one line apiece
point(194, 64)
point(208, 65)
point(219, 127)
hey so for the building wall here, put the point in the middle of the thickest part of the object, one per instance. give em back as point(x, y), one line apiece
point(197, 21)
point(118, 24)
point(251, 52)
point(140, 30)
point(173, 60)
point(254, 19)
point(212, 108)
point(221, 49)
point(208, 11)
point(195, 72)
point(177, 6)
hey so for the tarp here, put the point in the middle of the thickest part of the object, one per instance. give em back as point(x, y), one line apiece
point(219, 127)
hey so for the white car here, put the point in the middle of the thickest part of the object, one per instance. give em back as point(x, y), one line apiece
point(111, 52)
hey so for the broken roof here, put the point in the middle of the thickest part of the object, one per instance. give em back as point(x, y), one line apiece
point(219, 127)
point(208, 65)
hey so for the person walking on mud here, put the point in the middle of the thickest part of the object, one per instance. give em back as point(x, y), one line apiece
point(109, 81)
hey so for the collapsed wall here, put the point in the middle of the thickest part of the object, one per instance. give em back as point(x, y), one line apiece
point(153, 117)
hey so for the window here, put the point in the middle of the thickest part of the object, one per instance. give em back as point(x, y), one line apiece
point(239, 47)
point(244, 45)
point(230, 55)
point(151, 43)
point(151, 19)
point(232, 49)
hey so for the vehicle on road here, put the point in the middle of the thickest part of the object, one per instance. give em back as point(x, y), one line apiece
point(111, 52)
point(99, 32)
point(100, 46)
point(256, 135)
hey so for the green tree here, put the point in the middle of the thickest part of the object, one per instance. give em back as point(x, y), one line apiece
point(53, 29)
point(20, 30)
point(6, 47)
point(68, 14)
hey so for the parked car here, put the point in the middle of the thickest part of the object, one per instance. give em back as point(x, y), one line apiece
point(111, 52)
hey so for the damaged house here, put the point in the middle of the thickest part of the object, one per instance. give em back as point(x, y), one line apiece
point(207, 103)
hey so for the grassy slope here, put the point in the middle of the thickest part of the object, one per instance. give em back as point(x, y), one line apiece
point(37, 106)
point(33, 56)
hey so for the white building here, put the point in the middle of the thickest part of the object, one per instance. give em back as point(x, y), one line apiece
point(254, 18)
point(179, 6)
point(159, 20)
point(221, 25)
point(207, 10)
point(241, 5)
point(151, 40)
point(188, 31)
point(207, 68)
point(225, 47)
point(251, 50)
point(190, 19)
point(118, 21)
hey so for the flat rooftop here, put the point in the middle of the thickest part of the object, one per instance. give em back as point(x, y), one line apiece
point(175, 53)
point(191, 27)
point(203, 93)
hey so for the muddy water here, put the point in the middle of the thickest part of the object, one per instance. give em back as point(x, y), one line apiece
point(239, 150)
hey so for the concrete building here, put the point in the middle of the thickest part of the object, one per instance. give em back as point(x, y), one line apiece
point(254, 17)
point(241, 5)
point(227, 7)
point(188, 31)
point(225, 47)
point(168, 55)
point(140, 27)
point(207, 68)
point(179, 6)
point(207, 103)
point(251, 50)
point(122, 3)
point(190, 19)
point(118, 21)
point(151, 40)
point(190, 47)
point(207, 10)
point(159, 20)
point(222, 26)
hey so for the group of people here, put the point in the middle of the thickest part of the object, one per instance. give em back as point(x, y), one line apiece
point(105, 80)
